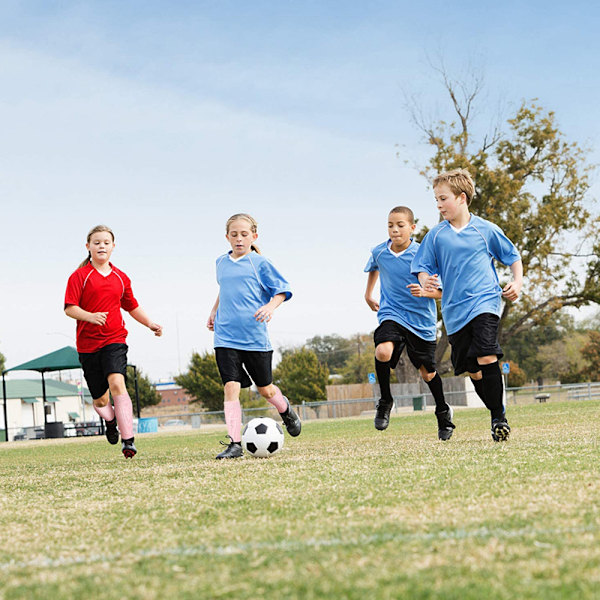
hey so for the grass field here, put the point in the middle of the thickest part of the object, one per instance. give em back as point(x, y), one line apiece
point(343, 511)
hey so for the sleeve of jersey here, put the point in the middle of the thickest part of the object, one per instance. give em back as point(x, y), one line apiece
point(273, 281)
point(128, 301)
point(424, 260)
point(501, 247)
point(74, 289)
point(371, 264)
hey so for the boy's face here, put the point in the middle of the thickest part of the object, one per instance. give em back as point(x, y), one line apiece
point(449, 205)
point(400, 228)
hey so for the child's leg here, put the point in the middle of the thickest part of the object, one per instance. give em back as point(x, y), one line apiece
point(434, 382)
point(233, 411)
point(123, 405)
point(383, 355)
point(103, 407)
point(493, 390)
point(477, 381)
point(272, 394)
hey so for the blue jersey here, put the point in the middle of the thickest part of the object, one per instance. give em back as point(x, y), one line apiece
point(419, 315)
point(465, 262)
point(245, 285)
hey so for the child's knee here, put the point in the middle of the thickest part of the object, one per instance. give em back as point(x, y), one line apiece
point(384, 351)
point(116, 384)
point(268, 391)
point(102, 401)
point(426, 375)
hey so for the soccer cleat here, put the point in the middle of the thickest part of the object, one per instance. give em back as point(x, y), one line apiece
point(233, 450)
point(500, 430)
point(128, 448)
point(445, 425)
point(291, 420)
point(382, 414)
point(112, 433)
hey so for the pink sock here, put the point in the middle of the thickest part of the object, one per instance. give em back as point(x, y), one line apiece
point(278, 401)
point(106, 412)
point(233, 419)
point(124, 414)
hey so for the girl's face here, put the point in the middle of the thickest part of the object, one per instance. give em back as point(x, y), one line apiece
point(100, 247)
point(449, 205)
point(400, 228)
point(241, 237)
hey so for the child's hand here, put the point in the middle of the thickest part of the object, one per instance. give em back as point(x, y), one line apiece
point(264, 314)
point(156, 328)
point(416, 290)
point(431, 284)
point(211, 321)
point(512, 290)
point(373, 304)
point(98, 318)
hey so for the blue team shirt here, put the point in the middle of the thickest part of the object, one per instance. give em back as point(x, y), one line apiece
point(245, 285)
point(396, 303)
point(464, 261)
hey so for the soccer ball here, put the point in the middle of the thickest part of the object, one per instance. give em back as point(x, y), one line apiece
point(262, 437)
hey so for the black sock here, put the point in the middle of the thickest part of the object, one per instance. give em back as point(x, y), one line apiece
point(113, 422)
point(383, 376)
point(493, 389)
point(129, 440)
point(478, 385)
point(437, 391)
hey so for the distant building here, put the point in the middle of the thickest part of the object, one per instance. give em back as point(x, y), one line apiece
point(172, 395)
point(64, 403)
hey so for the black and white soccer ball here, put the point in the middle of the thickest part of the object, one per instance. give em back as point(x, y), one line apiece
point(262, 437)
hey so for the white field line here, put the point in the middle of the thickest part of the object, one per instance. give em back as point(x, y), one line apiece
point(482, 533)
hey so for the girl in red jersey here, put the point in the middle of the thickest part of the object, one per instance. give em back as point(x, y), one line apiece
point(96, 293)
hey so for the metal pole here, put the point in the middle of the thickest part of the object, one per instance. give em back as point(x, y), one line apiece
point(137, 393)
point(4, 407)
point(44, 401)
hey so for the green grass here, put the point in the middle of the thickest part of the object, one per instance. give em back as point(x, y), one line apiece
point(343, 511)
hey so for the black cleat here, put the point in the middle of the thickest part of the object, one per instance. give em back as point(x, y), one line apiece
point(445, 425)
point(233, 450)
point(128, 448)
point(112, 433)
point(291, 420)
point(500, 430)
point(382, 414)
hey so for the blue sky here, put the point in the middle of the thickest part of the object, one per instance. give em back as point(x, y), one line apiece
point(163, 118)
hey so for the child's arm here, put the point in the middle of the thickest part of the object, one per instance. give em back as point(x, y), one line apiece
point(141, 317)
point(76, 312)
point(213, 313)
point(264, 313)
point(513, 289)
point(371, 280)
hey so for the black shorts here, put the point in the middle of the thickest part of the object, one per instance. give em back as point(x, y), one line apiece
point(97, 366)
point(479, 337)
point(420, 352)
point(242, 365)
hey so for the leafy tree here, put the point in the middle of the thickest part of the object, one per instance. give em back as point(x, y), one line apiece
point(301, 377)
point(562, 358)
point(202, 381)
point(532, 183)
point(331, 350)
point(590, 353)
point(517, 377)
point(147, 393)
point(2, 362)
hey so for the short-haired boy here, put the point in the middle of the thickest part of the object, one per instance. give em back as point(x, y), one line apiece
point(407, 318)
point(461, 249)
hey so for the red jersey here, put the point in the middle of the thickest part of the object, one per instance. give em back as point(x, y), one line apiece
point(94, 292)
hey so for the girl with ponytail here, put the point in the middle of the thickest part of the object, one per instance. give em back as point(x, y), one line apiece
point(96, 293)
point(251, 288)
